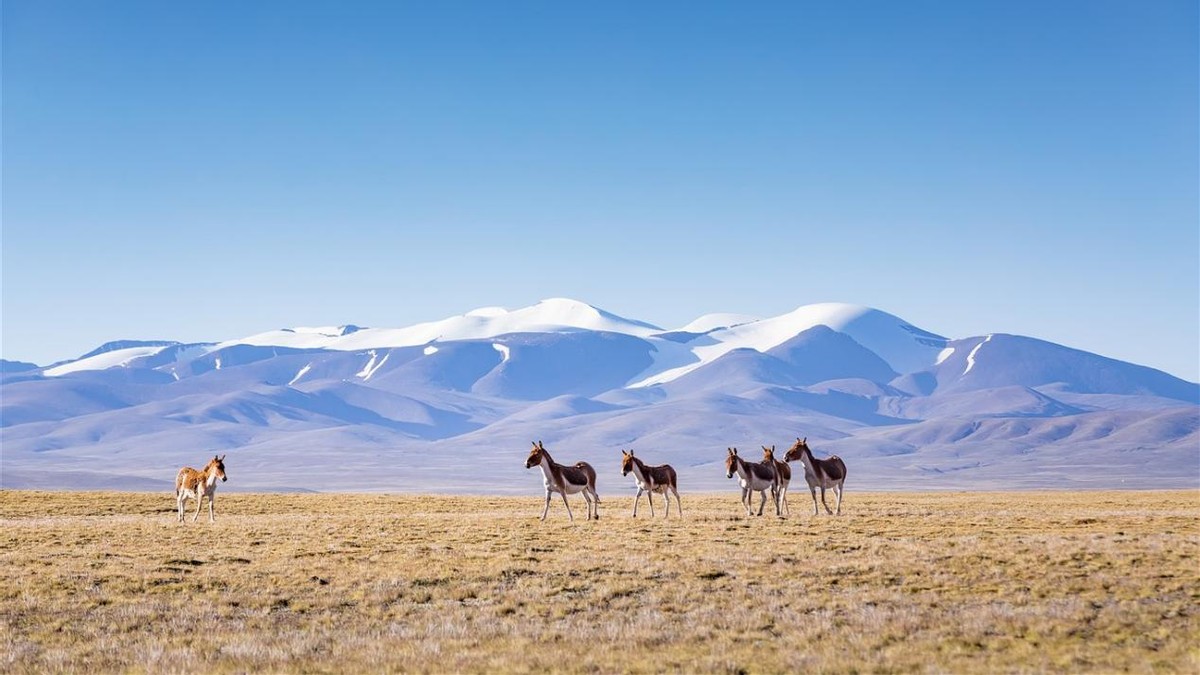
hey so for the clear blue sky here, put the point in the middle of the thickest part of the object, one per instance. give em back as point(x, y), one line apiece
point(208, 170)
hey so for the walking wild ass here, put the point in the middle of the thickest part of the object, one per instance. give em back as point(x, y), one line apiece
point(193, 484)
point(823, 473)
point(651, 479)
point(753, 478)
point(565, 480)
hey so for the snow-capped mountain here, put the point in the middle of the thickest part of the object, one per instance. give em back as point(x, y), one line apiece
point(452, 405)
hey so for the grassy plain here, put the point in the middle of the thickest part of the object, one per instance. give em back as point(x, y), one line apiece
point(959, 582)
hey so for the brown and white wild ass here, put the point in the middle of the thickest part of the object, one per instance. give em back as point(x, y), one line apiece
point(753, 478)
point(193, 484)
point(823, 473)
point(784, 473)
point(565, 480)
point(651, 479)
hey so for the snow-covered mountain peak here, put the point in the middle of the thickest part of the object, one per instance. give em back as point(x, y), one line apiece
point(487, 312)
point(323, 331)
point(568, 313)
point(101, 360)
point(710, 322)
point(904, 347)
point(552, 315)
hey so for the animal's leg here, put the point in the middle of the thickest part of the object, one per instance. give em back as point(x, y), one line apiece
point(199, 503)
point(650, 498)
point(762, 502)
point(212, 518)
point(667, 503)
point(746, 501)
point(839, 499)
point(827, 509)
point(595, 502)
point(637, 499)
point(783, 498)
point(179, 506)
point(678, 504)
point(569, 514)
point(813, 490)
point(547, 509)
point(587, 503)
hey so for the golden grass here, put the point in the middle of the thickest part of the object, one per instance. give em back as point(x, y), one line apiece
point(962, 582)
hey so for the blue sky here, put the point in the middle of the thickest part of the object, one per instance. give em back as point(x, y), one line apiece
point(204, 171)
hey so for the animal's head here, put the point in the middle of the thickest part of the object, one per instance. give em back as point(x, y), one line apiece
point(768, 453)
point(535, 455)
point(626, 462)
point(797, 450)
point(731, 462)
point(218, 464)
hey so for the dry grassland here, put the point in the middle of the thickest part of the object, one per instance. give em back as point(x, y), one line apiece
point(1097, 581)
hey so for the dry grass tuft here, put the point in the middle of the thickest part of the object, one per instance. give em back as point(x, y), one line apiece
point(1096, 581)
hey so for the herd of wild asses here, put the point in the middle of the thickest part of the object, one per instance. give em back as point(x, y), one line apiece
point(768, 475)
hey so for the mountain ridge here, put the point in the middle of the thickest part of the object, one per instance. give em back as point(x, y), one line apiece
point(387, 409)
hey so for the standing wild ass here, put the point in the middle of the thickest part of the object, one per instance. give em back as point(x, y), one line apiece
point(565, 480)
point(823, 473)
point(193, 484)
point(753, 478)
point(651, 479)
point(784, 472)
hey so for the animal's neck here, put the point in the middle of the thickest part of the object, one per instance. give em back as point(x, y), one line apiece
point(210, 476)
point(639, 470)
point(806, 459)
point(549, 469)
point(743, 467)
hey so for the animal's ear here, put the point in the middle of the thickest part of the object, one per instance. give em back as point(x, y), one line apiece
point(535, 442)
point(223, 458)
point(766, 449)
point(540, 446)
point(216, 459)
point(772, 448)
point(631, 452)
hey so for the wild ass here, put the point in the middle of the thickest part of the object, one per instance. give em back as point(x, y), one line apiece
point(651, 479)
point(825, 473)
point(753, 478)
point(193, 484)
point(565, 480)
point(784, 473)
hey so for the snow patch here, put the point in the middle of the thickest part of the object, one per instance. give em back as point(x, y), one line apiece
point(300, 374)
point(503, 349)
point(369, 369)
point(971, 356)
point(943, 355)
point(430, 350)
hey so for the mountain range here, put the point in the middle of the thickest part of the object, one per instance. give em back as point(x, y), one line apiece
point(452, 405)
